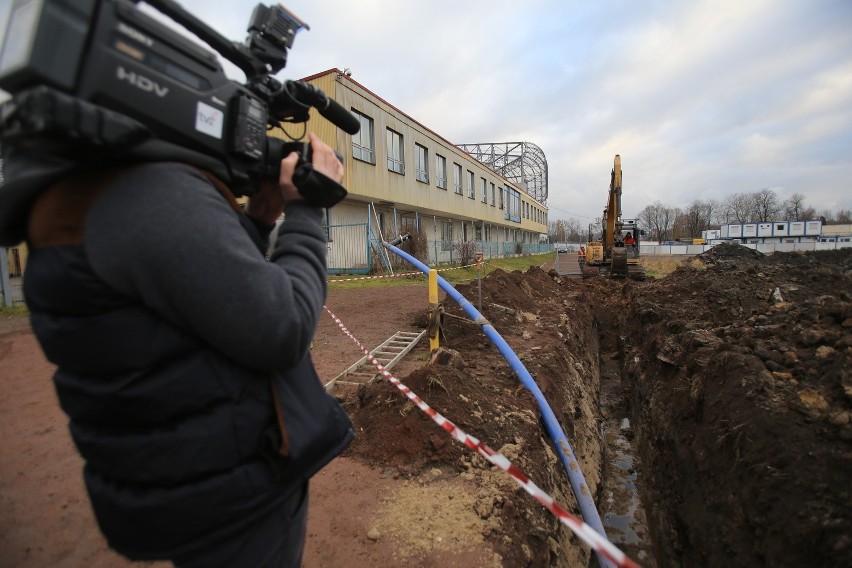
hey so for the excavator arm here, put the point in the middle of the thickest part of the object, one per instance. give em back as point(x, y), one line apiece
point(610, 254)
point(612, 212)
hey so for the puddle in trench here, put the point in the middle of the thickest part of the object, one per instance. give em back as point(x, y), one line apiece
point(621, 509)
point(621, 460)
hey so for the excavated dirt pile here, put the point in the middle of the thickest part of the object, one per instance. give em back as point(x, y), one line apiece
point(740, 379)
point(736, 376)
point(540, 318)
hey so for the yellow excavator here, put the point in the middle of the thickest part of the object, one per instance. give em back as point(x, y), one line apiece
point(614, 249)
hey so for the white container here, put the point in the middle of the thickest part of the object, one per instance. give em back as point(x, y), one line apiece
point(732, 231)
point(780, 229)
point(764, 229)
point(813, 227)
point(749, 230)
point(797, 228)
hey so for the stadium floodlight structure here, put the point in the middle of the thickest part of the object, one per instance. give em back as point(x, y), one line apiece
point(522, 163)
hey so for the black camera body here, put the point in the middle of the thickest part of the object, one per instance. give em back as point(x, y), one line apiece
point(101, 78)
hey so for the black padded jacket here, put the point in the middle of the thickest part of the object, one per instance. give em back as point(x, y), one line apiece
point(166, 323)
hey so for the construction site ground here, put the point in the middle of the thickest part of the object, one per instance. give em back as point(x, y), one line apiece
point(721, 395)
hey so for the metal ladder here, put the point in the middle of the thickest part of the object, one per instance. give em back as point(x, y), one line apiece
point(388, 354)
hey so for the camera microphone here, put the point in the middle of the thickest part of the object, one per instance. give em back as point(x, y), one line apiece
point(309, 95)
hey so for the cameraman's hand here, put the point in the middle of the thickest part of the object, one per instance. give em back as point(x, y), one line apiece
point(288, 191)
point(324, 159)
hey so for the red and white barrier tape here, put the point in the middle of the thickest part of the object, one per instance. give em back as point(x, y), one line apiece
point(586, 533)
point(401, 274)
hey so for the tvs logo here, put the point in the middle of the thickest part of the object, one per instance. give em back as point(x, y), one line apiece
point(209, 120)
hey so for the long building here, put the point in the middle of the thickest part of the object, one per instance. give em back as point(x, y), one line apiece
point(403, 177)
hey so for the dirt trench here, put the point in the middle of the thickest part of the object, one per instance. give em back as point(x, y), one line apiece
point(551, 325)
point(709, 412)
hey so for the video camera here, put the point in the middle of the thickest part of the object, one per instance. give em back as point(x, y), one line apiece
point(96, 79)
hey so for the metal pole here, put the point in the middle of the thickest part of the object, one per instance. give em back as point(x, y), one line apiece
point(435, 327)
point(5, 284)
point(479, 283)
point(479, 257)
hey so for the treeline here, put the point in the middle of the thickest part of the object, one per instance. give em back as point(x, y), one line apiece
point(672, 223)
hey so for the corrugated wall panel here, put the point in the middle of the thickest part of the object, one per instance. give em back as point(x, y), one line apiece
point(348, 245)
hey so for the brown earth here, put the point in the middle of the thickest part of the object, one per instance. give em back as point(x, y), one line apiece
point(739, 403)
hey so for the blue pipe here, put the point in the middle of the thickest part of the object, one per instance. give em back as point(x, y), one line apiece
point(563, 448)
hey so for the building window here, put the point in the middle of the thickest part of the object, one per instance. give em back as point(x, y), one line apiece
point(447, 235)
point(421, 163)
point(457, 178)
point(363, 144)
point(440, 171)
point(396, 156)
point(470, 191)
point(503, 192)
point(513, 205)
point(493, 196)
point(482, 190)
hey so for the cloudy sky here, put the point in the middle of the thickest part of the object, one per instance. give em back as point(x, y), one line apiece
point(701, 99)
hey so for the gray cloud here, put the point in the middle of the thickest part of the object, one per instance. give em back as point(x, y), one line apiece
point(701, 99)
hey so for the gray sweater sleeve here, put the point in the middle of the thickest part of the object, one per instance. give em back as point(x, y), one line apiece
point(162, 234)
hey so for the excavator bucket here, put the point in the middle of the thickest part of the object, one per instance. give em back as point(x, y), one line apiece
point(618, 268)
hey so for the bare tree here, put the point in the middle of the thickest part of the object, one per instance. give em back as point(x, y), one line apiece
point(557, 231)
point(765, 205)
point(809, 213)
point(737, 208)
point(794, 207)
point(658, 219)
point(842, 217)
point(681, 226)
point(698, 217)
point(712, 211)
point(577, 231)
point(570, 230)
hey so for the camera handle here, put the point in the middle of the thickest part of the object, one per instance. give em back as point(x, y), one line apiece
point(316, 188)
point(234, 52)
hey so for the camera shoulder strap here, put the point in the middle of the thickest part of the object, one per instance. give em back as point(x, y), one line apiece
point(223, 190)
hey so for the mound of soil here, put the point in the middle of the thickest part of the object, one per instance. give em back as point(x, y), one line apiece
point(741, 383)
point(736, 372)
point(475, 388)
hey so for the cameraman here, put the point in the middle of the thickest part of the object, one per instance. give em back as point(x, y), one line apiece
point(173, 337)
